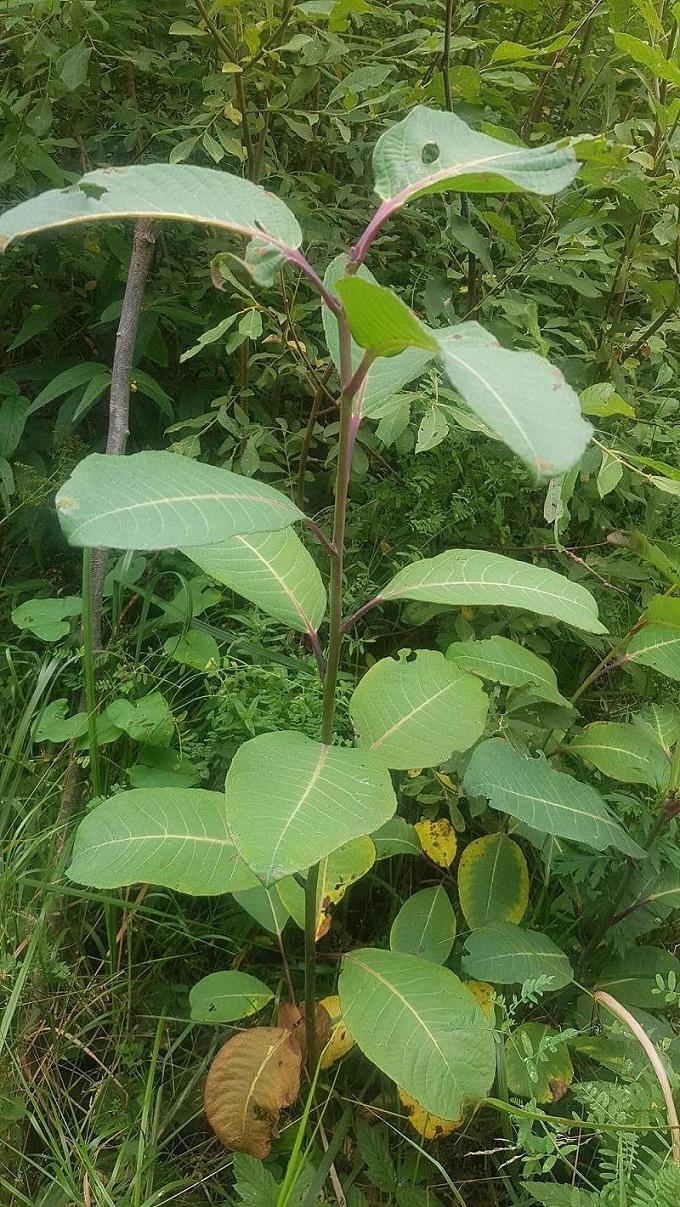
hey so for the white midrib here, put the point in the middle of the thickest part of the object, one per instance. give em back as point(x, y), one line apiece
point(407, 716)
point(169, 500)
point(407, 1005)
point(282, 583)
point(504, 407)
point(325, 751)
point(271, 1051)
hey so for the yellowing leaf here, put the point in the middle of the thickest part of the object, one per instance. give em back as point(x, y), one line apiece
point(483, 992)
point(430, 1127)
point(254, 1075)
point(340, 1041)
point(438, 840)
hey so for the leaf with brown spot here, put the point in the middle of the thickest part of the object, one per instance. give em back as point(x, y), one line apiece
point(253, 1077)
point(293, 1017)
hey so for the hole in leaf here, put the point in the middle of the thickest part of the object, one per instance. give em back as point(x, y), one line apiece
point(430, 152)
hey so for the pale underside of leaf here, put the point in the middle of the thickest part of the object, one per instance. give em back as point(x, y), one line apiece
point(504, 954)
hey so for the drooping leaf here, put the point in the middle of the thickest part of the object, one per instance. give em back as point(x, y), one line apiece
point(180, 192)
point(253, 1077)
point(472, 577)
point(623, 752)
point(379, 320)
point(396, 837)
point(223, 997)
point(505, 954)
point(657, 646)
point(176, 837)
point(431, 151)
point(265, 906)
point(547, 1079)
point(161, 500)
point(493, 881)
point(549, 801)
point(416, 712)
point(425, 926)
point(507, 662)
point(271, 569)
point(419, 1024)
point(337, 872)
point(438, 840)
point(631, 978)
point(291, 801)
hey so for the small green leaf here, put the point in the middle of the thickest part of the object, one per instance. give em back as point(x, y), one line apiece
point(647, 56)
point(193, 648)
point(47, 618)
point(396, 837)
point(547, 800)
point(265, 906)
point(602, 401)
point(623, 752)
point(148, 720)
point(160, 500)
point(493, 881)
point(609, 474)
point(415, 713)
point(507, 662)
point(504, 954)
point(379, 320)
point(54, 726)
point(223, 997)
point(657, 646)
point(175, 837)
point(73, 65)
point(466, 577)
point(552, 1075)
point(291, 801)
point(425, 926)
point(421, 1026)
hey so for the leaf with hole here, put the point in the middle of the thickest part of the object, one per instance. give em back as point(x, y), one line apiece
point(178, 192)
point(223, 997)
point(469, 577)
point(623, 752)
point(493, 881)
point(549, 801)
point(425, 926)
point(291, 801)
point(505, 954)
point(414, 712)
point(420, 1025)
point(175, 837)
point(271, 569)
point(253, 1077)
point(162, 500)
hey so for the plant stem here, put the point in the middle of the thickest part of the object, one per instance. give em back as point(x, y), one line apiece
point(88, 668)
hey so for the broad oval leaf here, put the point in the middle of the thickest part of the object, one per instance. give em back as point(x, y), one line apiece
point(379, 320)
point(631, 978)
point(291, 801)
point(421, 1026)
point(493, 881)
point(522, 398)
point(181, 192)
point(222, 997)
point(431, 151)
point(549, 801)
point(471, 576)
point(505, 954)
point(507, 662)
point(623, 752)
point(658, 646)
point(425, 926)
point(416, 712)
point(552, 1074)
point(271, 569)
point(164, 501)
point(254, 1075)
point(438, 840)
point(176, 837)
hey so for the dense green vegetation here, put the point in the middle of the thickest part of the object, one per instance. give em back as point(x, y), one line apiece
point(446, 713)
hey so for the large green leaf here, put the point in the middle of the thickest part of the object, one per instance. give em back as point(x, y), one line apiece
point(431, 151)
point(415, 713)
point(658, 646)
point(661, 722)
point(272, 570)
point(222, 997)
point(291, 801)
point(471, 576)
point(180, 192)
point(522, 398)
point(547, 800)
point(388, 374)
point(421, 1026)
point(505, 954)
point(507, 662)
point(631, 978)
point(493, 881)
point(623, 752)
point(425, 925)
point(651, 897)
point(163, 501)
point(176, 837)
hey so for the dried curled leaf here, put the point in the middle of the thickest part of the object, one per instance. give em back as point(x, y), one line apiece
point(339, 1043)
point(253, 1077)
point(293, 1018)
point(430, 1127)
point(438, 840)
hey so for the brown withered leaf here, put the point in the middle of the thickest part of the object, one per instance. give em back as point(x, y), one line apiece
point(253, 1077)
point(293, 1017)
